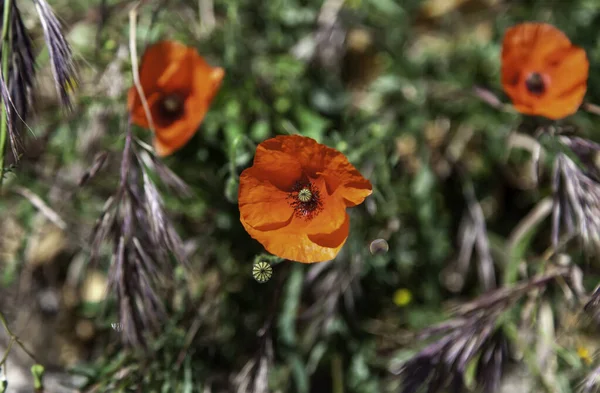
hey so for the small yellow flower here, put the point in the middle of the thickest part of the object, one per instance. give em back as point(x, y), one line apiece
point(584, 354)
point(402, 297)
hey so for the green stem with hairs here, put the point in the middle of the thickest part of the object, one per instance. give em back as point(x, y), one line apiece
point(13, 339)
point(4, 118)
point(337, 374)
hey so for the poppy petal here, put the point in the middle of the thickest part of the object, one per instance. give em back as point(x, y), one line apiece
point(334, 239)
point(206, 80)
point(176, 133)
point(168, 65)
point(340, 172)
point(164, 65)
point(542, 49)
point(309, 182)
point(179, 132)
point(572, 70)
point(568, 85)
point(320, 160)
point(355, 193)
point(136, 109)
point(157, 58)
point(172, 72)
point(177, 76)
point(301, 247)
point(309, 154)
point(262, 205)
point(330, 217)
point(162, 148)
point(281, 168)
point(533, 40)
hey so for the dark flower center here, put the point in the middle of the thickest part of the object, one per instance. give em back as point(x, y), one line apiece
point(171, 106)
point(305, 199)
point(535, 84)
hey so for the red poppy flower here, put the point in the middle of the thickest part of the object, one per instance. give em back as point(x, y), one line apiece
point(293, 199)
point(179, 87)
point(542, 72)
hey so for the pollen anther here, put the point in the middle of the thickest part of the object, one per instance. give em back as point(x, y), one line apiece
point(305, 200)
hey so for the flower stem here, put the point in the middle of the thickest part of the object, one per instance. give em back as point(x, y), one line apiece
point(126, 160)
point(337, 374)
point(4, 114)
point(12, 340)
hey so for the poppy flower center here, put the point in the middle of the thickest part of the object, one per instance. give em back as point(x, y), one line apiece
point(535, 84)
point(305, 199)
point(171, 106)
point(304, 195)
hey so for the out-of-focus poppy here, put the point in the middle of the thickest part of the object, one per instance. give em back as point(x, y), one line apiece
point(543, 73)
point(179, 86)
point(293, 198)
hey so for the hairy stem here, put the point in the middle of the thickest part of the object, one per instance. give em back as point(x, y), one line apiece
point(4, 118)
point(13, 339)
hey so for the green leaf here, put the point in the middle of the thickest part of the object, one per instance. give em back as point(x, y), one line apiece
point(260, 130)
point(298, 372)
point(520, 242)
point(315, 357)
point(423, 183)
point(388, 7)
point(231, 189)
point(291, 296)
point(188, 383)
point(311, 124)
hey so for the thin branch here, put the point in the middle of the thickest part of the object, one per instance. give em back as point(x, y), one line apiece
point(533, 218)
point(39, 203)
point(134, 61)
point(13, 339)
point(591, 108)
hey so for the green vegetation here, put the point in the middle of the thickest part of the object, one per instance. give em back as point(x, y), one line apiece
point(455, 211)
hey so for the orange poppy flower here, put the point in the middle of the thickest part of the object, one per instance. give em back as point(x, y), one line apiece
point(179, 87)
point(542, 72)
point(293, 199)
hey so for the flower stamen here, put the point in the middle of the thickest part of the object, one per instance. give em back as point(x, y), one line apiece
point(535, 84)
point(305, 199)
point(171, 106)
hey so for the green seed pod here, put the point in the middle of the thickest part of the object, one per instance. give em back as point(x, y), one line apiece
point(262, 271)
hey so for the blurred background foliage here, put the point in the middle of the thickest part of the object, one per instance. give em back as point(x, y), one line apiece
point(390, 84)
